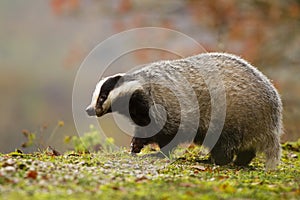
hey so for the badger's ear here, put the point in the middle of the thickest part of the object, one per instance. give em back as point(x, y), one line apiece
point(115, 81)
point(118, 80)
point(110, 83)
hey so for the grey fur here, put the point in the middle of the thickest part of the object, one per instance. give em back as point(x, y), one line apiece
point(253, 121)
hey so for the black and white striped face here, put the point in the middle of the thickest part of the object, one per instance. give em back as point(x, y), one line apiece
point(101, 99)
point(108, 91)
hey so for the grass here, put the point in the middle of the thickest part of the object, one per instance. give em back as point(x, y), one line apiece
point(118, 175)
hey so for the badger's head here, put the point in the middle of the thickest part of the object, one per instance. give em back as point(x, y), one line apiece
point(108, 91)
point(101, 99)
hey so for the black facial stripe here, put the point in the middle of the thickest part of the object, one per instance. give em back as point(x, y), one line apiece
point(107, 86)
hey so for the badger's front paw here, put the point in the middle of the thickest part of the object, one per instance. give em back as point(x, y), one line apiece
point(137, 144)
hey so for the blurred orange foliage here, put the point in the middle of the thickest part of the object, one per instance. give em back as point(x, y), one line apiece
point(124, 6)
point(61, 6)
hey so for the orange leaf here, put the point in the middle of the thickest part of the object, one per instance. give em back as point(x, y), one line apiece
point(32, 174)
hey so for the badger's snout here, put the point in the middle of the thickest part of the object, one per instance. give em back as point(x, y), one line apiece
point(90, 110)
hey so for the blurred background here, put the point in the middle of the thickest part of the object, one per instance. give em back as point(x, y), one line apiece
point(43, 43)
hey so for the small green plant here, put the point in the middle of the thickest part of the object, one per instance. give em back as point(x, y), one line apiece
point(91, 141)
point(30, 138)
point(37, 139)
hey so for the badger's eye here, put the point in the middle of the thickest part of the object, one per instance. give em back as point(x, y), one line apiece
point(102, 98)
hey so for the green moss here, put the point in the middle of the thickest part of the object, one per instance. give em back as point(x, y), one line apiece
point(118, 175)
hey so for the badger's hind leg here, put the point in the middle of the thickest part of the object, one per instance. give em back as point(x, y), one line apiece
point(225, 148)
point(244, 157)
point(221, 155)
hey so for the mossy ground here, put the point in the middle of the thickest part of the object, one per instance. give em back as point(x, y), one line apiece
point(118, 175)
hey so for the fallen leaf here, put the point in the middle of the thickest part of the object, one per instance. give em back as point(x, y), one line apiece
point(294, 156)
point(32, 174)
point(199, 167)
point(187, 185)
point(141, 179)
point(54, 152)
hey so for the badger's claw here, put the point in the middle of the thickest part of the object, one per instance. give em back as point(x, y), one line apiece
point(136, 148)
point(137, 144)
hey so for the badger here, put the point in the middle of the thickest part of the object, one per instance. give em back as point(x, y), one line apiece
point(178, 97)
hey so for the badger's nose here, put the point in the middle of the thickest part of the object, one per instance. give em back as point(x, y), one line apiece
point(90, 111)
